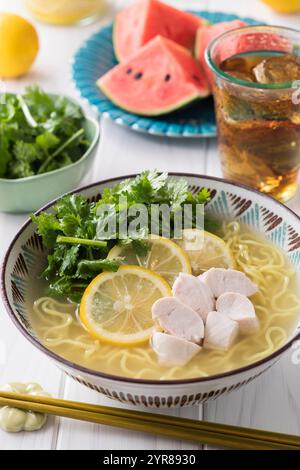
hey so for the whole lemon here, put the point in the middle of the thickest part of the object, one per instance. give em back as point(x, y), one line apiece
point(284, 6)
point(19, 45)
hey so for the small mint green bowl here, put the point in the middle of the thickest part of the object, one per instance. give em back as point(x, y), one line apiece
point(29, 194)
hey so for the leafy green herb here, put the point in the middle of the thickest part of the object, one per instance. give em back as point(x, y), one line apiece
point(75, 255)
point(152, 188)
point(70, 232)
point(39, 133)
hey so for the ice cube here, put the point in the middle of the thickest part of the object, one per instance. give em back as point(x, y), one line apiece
point(278, 69)
point(248, 77)
point(238, 67)
point(233, 108)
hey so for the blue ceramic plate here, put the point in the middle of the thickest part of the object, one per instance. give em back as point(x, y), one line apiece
point(96, 57)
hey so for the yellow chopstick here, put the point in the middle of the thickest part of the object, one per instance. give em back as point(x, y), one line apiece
point(158, 419)
point(180, 428)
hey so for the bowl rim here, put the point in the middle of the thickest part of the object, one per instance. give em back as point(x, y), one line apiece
point(117, 378)
point(90, 148)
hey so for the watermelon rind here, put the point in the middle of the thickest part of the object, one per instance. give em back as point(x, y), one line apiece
point(197, 44)
point(156, 112)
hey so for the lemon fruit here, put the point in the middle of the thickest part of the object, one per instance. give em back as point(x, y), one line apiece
point(284, 6)
point(116, 306)
point(205, 250)
point(163, 257)
point(19, 45)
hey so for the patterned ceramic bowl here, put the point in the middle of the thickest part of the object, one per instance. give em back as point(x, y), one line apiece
point(26, 255)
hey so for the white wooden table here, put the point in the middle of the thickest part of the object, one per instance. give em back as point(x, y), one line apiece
point(271, 402)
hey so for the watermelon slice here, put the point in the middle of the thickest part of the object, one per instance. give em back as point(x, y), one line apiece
point(139, 23)
point(160, 78)
point(205, 35)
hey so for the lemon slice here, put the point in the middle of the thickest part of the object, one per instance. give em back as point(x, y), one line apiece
point(116, 307)
point(164, 257)
point(205, 250)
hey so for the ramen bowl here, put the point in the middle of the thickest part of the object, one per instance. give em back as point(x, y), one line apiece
point(26, 256)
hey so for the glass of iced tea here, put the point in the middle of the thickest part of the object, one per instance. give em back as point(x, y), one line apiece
point(256, 75)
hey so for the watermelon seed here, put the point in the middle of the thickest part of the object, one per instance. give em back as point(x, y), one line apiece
point(196, 78)
point(128, 71)
point(167, 77)
point(138, 76)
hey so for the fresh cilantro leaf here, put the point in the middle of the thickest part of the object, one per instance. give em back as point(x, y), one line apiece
point(48, 228)
point(69, 261)
point(25, 151)
point(203, 196)
point(25, 157)
point(40, 103)
point(47, 141)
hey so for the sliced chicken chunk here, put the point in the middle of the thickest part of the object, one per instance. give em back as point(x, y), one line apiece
point(221, 280)
point(240, 309)
point(220, 331)
point(173, 351)
point(178, 319)
point(194, 293)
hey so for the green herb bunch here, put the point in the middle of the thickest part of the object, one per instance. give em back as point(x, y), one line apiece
point(39, 133)
point(76, 255)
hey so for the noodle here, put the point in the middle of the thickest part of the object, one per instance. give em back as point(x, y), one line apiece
point(276, 304)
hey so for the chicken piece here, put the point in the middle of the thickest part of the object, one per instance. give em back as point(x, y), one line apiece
point(194, 293)
point(240, 309)
point(178, 319)
point(221, 280)
point(220, 331)
point(173, 351)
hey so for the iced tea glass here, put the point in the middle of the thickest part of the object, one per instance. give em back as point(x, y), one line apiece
point(258, 123)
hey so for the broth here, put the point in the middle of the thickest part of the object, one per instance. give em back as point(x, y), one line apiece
point(277, 306)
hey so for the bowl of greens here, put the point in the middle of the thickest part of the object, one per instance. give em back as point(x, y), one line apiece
point(47, 146)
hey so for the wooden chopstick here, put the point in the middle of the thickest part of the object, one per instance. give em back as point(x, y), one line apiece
point(185, 429)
